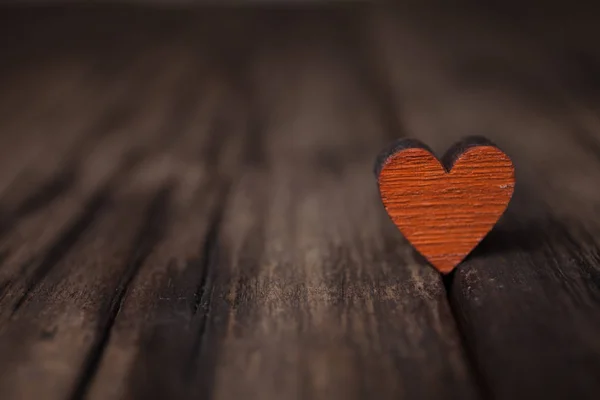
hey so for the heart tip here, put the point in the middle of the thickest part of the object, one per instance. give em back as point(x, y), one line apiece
point(445, 268)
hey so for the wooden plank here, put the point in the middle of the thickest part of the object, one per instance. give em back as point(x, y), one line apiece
point(156, 339)
point(315, 295)
point(159, 328)
point(527, 301)
point(64, 284)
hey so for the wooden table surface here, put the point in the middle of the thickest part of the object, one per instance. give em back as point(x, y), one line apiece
point(188, 207)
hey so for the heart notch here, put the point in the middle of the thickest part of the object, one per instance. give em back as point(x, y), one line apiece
point(444, 209)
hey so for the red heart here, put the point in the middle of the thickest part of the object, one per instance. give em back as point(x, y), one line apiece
point(445, 209)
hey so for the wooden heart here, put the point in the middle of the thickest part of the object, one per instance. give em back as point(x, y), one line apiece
point(445, 209)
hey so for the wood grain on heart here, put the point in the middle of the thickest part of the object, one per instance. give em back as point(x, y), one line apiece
point(444, 209)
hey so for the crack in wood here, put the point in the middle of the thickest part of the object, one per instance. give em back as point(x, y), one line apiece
point(469, 355)
point(65, 242)
point(203, 296)
point(149, 235)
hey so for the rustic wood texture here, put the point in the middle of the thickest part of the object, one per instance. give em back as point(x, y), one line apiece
point(187, 206)
point(444, 209)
